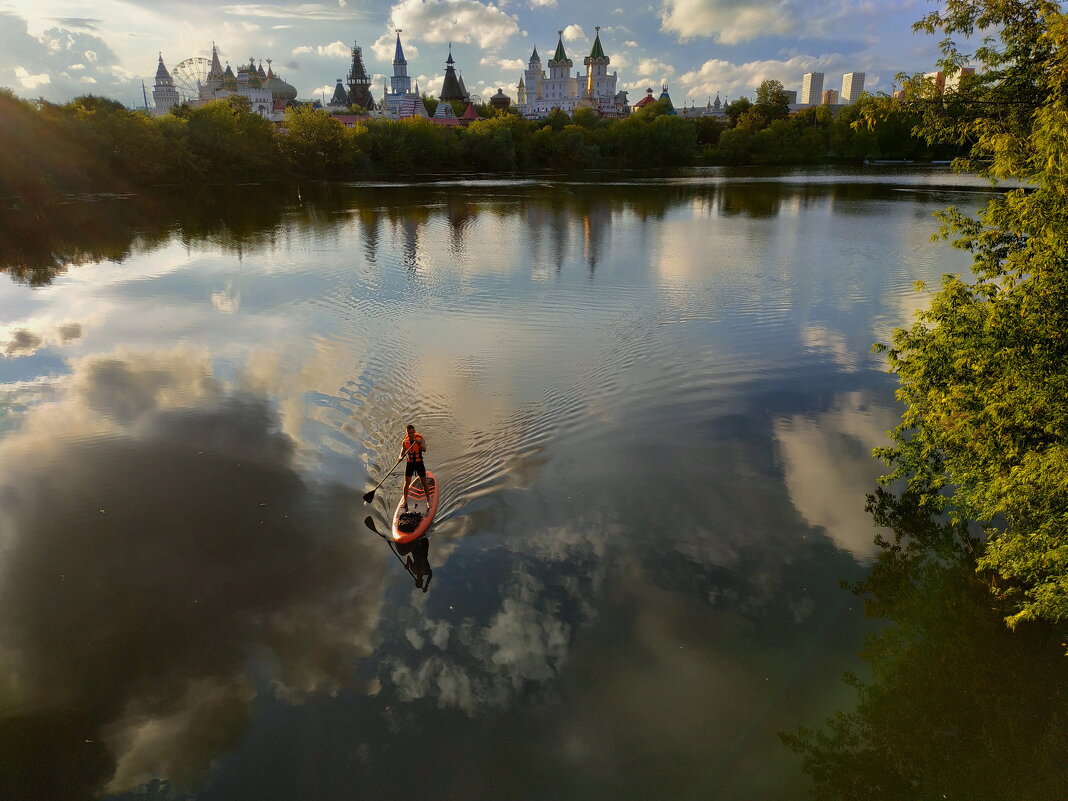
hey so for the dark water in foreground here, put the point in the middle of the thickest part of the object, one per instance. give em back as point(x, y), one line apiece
point(651, 406)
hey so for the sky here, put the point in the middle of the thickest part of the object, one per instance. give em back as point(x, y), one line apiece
point(59, 49)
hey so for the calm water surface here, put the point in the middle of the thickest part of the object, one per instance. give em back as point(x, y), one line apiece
point(651, 405)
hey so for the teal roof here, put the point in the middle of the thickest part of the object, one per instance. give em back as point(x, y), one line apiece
point(340, 97)
point(534, 55)
point(665, 96)
point(560, 54)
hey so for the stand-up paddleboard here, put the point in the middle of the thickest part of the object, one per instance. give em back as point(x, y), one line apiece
point(411, 524)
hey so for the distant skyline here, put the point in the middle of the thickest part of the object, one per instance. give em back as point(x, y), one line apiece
point(58, 49)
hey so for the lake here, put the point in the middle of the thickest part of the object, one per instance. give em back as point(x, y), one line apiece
point(651, 404)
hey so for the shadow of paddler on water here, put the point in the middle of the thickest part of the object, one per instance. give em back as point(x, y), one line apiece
point(413, 556)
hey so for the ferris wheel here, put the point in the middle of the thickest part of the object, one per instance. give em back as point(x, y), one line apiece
point(189, 76)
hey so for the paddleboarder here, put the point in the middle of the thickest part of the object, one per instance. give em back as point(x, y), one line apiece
point(414, 446)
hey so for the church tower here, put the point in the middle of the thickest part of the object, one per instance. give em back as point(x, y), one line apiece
point(214, 81)
point(359, 82)
point(599, 84)
point(532, 78)
point(561, 89)
point(560, 65)
point(164, 95)
point(450, 88)
point(400, 83)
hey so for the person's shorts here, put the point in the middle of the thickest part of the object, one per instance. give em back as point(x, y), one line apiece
point(415, 467)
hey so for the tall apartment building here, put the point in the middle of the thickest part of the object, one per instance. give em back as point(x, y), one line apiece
point(852, 86)
point(938, 81)
point(953, 79)
point(829, 97)
point(947, 82)
point(811, 88)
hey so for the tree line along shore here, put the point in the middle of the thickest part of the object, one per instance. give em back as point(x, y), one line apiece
point(95, 144)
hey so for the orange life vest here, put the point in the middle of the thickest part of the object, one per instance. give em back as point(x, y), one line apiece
point(415, 454)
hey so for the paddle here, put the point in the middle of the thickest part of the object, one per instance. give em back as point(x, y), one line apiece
point(370, 496)
point(370, 523)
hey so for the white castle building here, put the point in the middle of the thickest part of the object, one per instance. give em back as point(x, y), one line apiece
point(268, 95)
point(539, 94)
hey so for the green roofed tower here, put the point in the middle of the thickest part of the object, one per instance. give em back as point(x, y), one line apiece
point(597, 51)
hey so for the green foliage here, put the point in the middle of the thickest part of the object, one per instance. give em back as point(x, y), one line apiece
point(772, 101)
point(94, 143)
point(709, 129)
point(314, 142)
point(984, 370)
point(736, 108)
point(498, 144)
point(229, 142)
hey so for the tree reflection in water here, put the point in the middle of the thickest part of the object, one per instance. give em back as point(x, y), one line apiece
point(957, 705)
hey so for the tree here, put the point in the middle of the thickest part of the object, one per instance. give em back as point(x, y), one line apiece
point(772, 101)
point(983, 373)
point(313, 141)
point(736, 108)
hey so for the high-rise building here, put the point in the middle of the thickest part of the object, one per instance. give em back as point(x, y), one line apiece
point(937, 82)
point(953, 80)
point(811, 88)
point(852, 86)
point(829, 97)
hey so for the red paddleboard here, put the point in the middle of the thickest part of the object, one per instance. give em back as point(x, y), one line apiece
point(411, 524)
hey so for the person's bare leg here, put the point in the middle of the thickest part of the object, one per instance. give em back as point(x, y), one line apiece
point(407, 484)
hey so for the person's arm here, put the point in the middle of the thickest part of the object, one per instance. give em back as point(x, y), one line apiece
point(422, 444)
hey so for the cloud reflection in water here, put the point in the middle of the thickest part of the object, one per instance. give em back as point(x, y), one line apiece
point(156, 542)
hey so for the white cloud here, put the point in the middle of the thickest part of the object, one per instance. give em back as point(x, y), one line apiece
point(654, 68)
point(441, 21)
point(717, 75)
point(315, 11)
point(541, 3)
point(77, 67)
point(29, 80)
point(90, 55)
point(336, 49)
point(502, 63)
point(732, 22)
point(385, 46)
point(829, 458)
point(574, 33)
point(630, 43)
point(333, 50)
